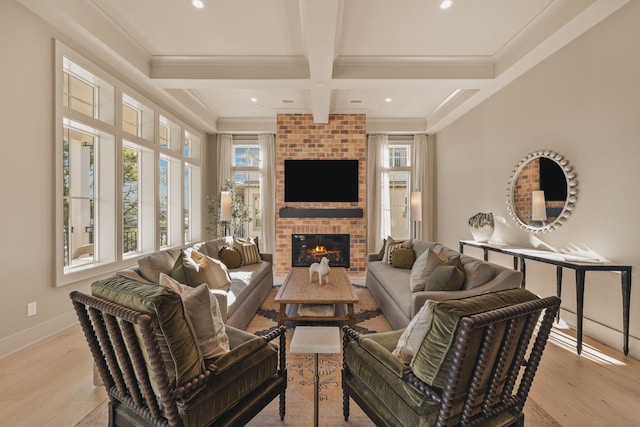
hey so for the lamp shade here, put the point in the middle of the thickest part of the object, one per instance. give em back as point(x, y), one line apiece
point(416, 206)
point(225, 206)
point(538, 206)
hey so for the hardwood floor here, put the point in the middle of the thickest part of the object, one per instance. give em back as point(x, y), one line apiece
point(50, 384)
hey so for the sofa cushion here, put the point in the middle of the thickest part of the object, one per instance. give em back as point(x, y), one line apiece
point(394, 281)
point(423, 267)
point(391, 245)
point(194, 268)
point(448, 276)
point(204, 314)
point(176, 338)
point(230, 257)
point(243, 282)
point(433, 358)
point(403, 258)
point(248, 251)
point(414, 333)
point(158, 262)
point(476, 272)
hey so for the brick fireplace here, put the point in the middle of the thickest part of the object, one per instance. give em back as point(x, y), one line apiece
point(299, 138)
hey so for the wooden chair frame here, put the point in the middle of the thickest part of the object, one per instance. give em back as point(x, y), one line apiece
point(110, 332)
point(497, 398)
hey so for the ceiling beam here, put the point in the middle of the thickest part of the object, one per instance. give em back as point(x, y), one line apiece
point(319, 21)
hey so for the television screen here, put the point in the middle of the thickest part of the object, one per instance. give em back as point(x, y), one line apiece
point(320, 180)
point(552, 180)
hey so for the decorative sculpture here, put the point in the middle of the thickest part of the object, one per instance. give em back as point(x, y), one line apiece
point(322, 268)
point(481, 226)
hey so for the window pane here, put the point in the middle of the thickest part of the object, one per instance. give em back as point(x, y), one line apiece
point(399, 206)
point(79, 95)
point(131, 119)
point(186, 146)
point(187, 203)
point(164, 133)
point(246, 156)
point(130, 200)
point(398, 156)
point(164, 202)
point(78, 189)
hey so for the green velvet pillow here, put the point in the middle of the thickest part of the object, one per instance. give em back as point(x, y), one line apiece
point(403, 258)
point(230, 257)
point(448, 276)
point(178, 344)
point(433, 358)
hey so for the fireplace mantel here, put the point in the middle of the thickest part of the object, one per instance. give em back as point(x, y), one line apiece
point(321, 212)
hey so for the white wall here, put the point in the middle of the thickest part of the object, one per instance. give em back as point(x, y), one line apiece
point(584, 103)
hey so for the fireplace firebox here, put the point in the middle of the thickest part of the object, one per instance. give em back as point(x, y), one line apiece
point(309, 248)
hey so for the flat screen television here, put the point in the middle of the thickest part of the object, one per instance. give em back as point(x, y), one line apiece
point(321, 180)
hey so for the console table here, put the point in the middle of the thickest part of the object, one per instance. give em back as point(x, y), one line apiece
point(565, 261)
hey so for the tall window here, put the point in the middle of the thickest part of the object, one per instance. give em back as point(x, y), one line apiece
point(246, 173)
point(122, 185)
point(397, 188)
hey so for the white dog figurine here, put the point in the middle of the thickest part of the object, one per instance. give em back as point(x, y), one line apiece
point(322, 268)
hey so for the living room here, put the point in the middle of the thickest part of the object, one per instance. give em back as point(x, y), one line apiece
point(580, 101)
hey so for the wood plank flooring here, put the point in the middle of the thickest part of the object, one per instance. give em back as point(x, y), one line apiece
point(50, 384)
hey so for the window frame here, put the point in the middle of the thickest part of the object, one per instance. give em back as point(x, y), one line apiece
point(107, 123)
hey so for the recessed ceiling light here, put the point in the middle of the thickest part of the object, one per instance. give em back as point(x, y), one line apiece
point(387, 100)
point(254, 99)
point(446, 4)
point(198, 4)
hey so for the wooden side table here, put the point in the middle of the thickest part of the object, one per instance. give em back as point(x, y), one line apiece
point(315, 339)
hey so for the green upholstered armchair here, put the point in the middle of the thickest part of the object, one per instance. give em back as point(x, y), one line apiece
point(148, 357)
point(474, 366)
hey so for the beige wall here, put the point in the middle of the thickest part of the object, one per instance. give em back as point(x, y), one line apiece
point(28, 203)
point(583, 102)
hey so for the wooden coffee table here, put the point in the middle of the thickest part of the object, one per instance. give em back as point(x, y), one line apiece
point(297, 289)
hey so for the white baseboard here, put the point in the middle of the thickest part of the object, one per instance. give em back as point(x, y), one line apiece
point(27, 337)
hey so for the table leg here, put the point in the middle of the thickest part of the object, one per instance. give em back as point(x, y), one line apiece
point(626, 298)
point(523, 269)
point(579, 306)
point(351, 315)
point(486, 254)
point(558, 286)
point(316, 381)
point(282, 314)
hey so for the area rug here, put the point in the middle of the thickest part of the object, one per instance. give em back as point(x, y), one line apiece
point(299, 394)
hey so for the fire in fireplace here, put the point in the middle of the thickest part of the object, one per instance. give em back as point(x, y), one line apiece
point(309, 248)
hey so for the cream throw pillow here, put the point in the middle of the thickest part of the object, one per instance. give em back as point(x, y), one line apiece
point(204, 313)
point(414, 333)
point(391, 246)
point(423, 267)
point(194, 268)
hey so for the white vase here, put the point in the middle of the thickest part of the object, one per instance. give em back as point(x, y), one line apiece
point(481, 234)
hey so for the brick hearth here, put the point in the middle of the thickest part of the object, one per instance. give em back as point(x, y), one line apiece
point(298, 137)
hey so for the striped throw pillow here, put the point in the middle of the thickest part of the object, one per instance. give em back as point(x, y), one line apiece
point(248, 251)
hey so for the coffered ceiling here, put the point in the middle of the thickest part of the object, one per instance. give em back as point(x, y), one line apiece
point(407, 64)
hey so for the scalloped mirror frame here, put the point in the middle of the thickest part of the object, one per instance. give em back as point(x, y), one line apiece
point(572, 191)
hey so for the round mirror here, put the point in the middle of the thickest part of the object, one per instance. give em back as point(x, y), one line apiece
point(542, 191)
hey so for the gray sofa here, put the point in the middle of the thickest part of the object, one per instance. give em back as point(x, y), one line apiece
point(250, 284)
point(390, 288)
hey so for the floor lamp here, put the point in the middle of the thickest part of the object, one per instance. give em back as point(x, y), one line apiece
point(225, 210)
point(415, 210)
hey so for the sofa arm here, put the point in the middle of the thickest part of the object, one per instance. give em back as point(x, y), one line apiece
point(373, 257)
point(221, 297)
point(507, 279)
point(267, 257)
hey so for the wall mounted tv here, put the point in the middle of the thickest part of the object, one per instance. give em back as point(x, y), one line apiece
point(321, 180)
